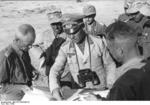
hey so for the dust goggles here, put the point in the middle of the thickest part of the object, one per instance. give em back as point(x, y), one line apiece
point(71, 28)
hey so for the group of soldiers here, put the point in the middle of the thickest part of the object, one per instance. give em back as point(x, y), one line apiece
point(114, 57)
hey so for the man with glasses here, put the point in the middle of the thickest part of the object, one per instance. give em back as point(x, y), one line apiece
point(16, 71)
point(89, 61)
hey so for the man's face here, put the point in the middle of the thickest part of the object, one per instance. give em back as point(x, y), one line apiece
point(77, 37)
point(27, 41)
point(89, 19)
point(74, 32)
point(57, 28)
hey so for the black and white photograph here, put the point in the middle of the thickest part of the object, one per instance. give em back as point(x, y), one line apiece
point(74, 50)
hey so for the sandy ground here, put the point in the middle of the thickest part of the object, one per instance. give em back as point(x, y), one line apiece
point(13, 13)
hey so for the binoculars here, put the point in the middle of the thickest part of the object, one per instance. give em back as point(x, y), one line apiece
point(86, 75)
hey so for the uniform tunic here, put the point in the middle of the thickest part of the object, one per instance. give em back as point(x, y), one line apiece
point(101, 63)
point(52, 52)
point(95, 29)
point(15, 69)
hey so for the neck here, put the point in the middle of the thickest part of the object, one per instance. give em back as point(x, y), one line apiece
point(131, 55)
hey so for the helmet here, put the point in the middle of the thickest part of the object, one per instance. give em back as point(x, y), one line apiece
point(72, 22)
point(145, 10)
point(89, 10)
point(134, 7)
point(54, 15)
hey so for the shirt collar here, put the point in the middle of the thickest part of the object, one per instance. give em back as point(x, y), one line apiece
point(135, 63)
point(88, 39)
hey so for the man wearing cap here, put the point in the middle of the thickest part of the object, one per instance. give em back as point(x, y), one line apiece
point(92, 27)
point(51, 52)
point(89, 61)
point(16, 71)
point(134, 18)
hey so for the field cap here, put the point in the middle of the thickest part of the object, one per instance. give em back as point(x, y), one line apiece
point(54, 15)
point(70, 18)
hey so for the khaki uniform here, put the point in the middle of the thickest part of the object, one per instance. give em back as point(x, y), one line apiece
point(95, 29)
point(101, 63)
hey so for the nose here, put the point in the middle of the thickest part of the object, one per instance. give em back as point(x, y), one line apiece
point(71, 36)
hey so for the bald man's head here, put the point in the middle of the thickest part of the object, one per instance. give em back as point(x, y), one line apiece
point(25, 35)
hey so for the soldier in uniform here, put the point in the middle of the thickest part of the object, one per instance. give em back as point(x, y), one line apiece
point(145, 38)
point(89, 61)
point(134, 18)
point(16, 71)
point(51, 52)
point(133, 76)
point(92, 27)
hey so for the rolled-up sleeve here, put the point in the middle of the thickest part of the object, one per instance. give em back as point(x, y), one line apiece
point(109, 65)
point(55, 70)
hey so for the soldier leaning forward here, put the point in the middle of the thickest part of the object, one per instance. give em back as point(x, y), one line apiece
point(16, 71)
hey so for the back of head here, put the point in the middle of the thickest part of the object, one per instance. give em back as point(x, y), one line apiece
point(122, 40)
point(121, 31)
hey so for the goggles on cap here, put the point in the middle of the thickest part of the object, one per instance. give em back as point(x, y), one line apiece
point(58, 23)
point(72, 28)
